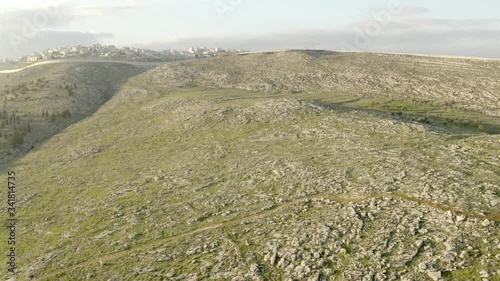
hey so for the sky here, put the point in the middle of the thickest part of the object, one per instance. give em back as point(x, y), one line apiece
point(444, 27)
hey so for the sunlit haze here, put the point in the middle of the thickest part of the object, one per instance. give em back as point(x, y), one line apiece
point(465, 28)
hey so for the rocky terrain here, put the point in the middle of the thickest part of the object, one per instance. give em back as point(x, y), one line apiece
point(447, 81)
point(40, 96)
point(200, 170)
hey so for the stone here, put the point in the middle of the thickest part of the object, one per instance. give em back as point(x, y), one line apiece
point(484, 274)
point(464, 255)
point(486, 223)
point(254, 268)
point(435, 275)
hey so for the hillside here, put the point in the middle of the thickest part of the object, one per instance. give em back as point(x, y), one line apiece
point(281, 166)
point(366, 75)
point(39, 102)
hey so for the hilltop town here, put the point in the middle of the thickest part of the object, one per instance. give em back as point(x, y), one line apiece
point(117, 53)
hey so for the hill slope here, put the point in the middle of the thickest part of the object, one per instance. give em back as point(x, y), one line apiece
point(41, 101)
point(465, 83)
point(186, 174)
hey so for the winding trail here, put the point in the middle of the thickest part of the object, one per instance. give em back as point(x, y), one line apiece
point(339, 198)
point(134, 63)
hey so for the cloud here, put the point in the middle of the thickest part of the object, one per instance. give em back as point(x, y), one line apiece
point(404, 11)
point(56, 15)
point(411, 11)
point(426, 36)
point(425, 22)
point(412, 30)
point(23, 31)
point(49, 39)
point(15, 19)
point(103, 10)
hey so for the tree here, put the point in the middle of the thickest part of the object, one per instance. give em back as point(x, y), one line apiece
point(66, 113)
point(17, 139)
point(13, 117)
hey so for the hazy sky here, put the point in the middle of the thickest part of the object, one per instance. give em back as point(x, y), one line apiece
point(470, 28)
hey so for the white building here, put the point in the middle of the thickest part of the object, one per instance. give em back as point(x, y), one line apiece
point(34, 58)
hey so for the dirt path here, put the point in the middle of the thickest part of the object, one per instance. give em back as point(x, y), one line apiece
point(134, 63)
point(340, 198)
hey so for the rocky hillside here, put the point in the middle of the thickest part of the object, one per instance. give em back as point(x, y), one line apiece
point(464, 83)
point(186, 176)
point(39, 102)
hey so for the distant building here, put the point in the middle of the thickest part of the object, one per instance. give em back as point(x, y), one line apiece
point(34, 58)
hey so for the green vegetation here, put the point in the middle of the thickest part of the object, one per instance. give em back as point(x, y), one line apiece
point(41, 101)
point(221, 176)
